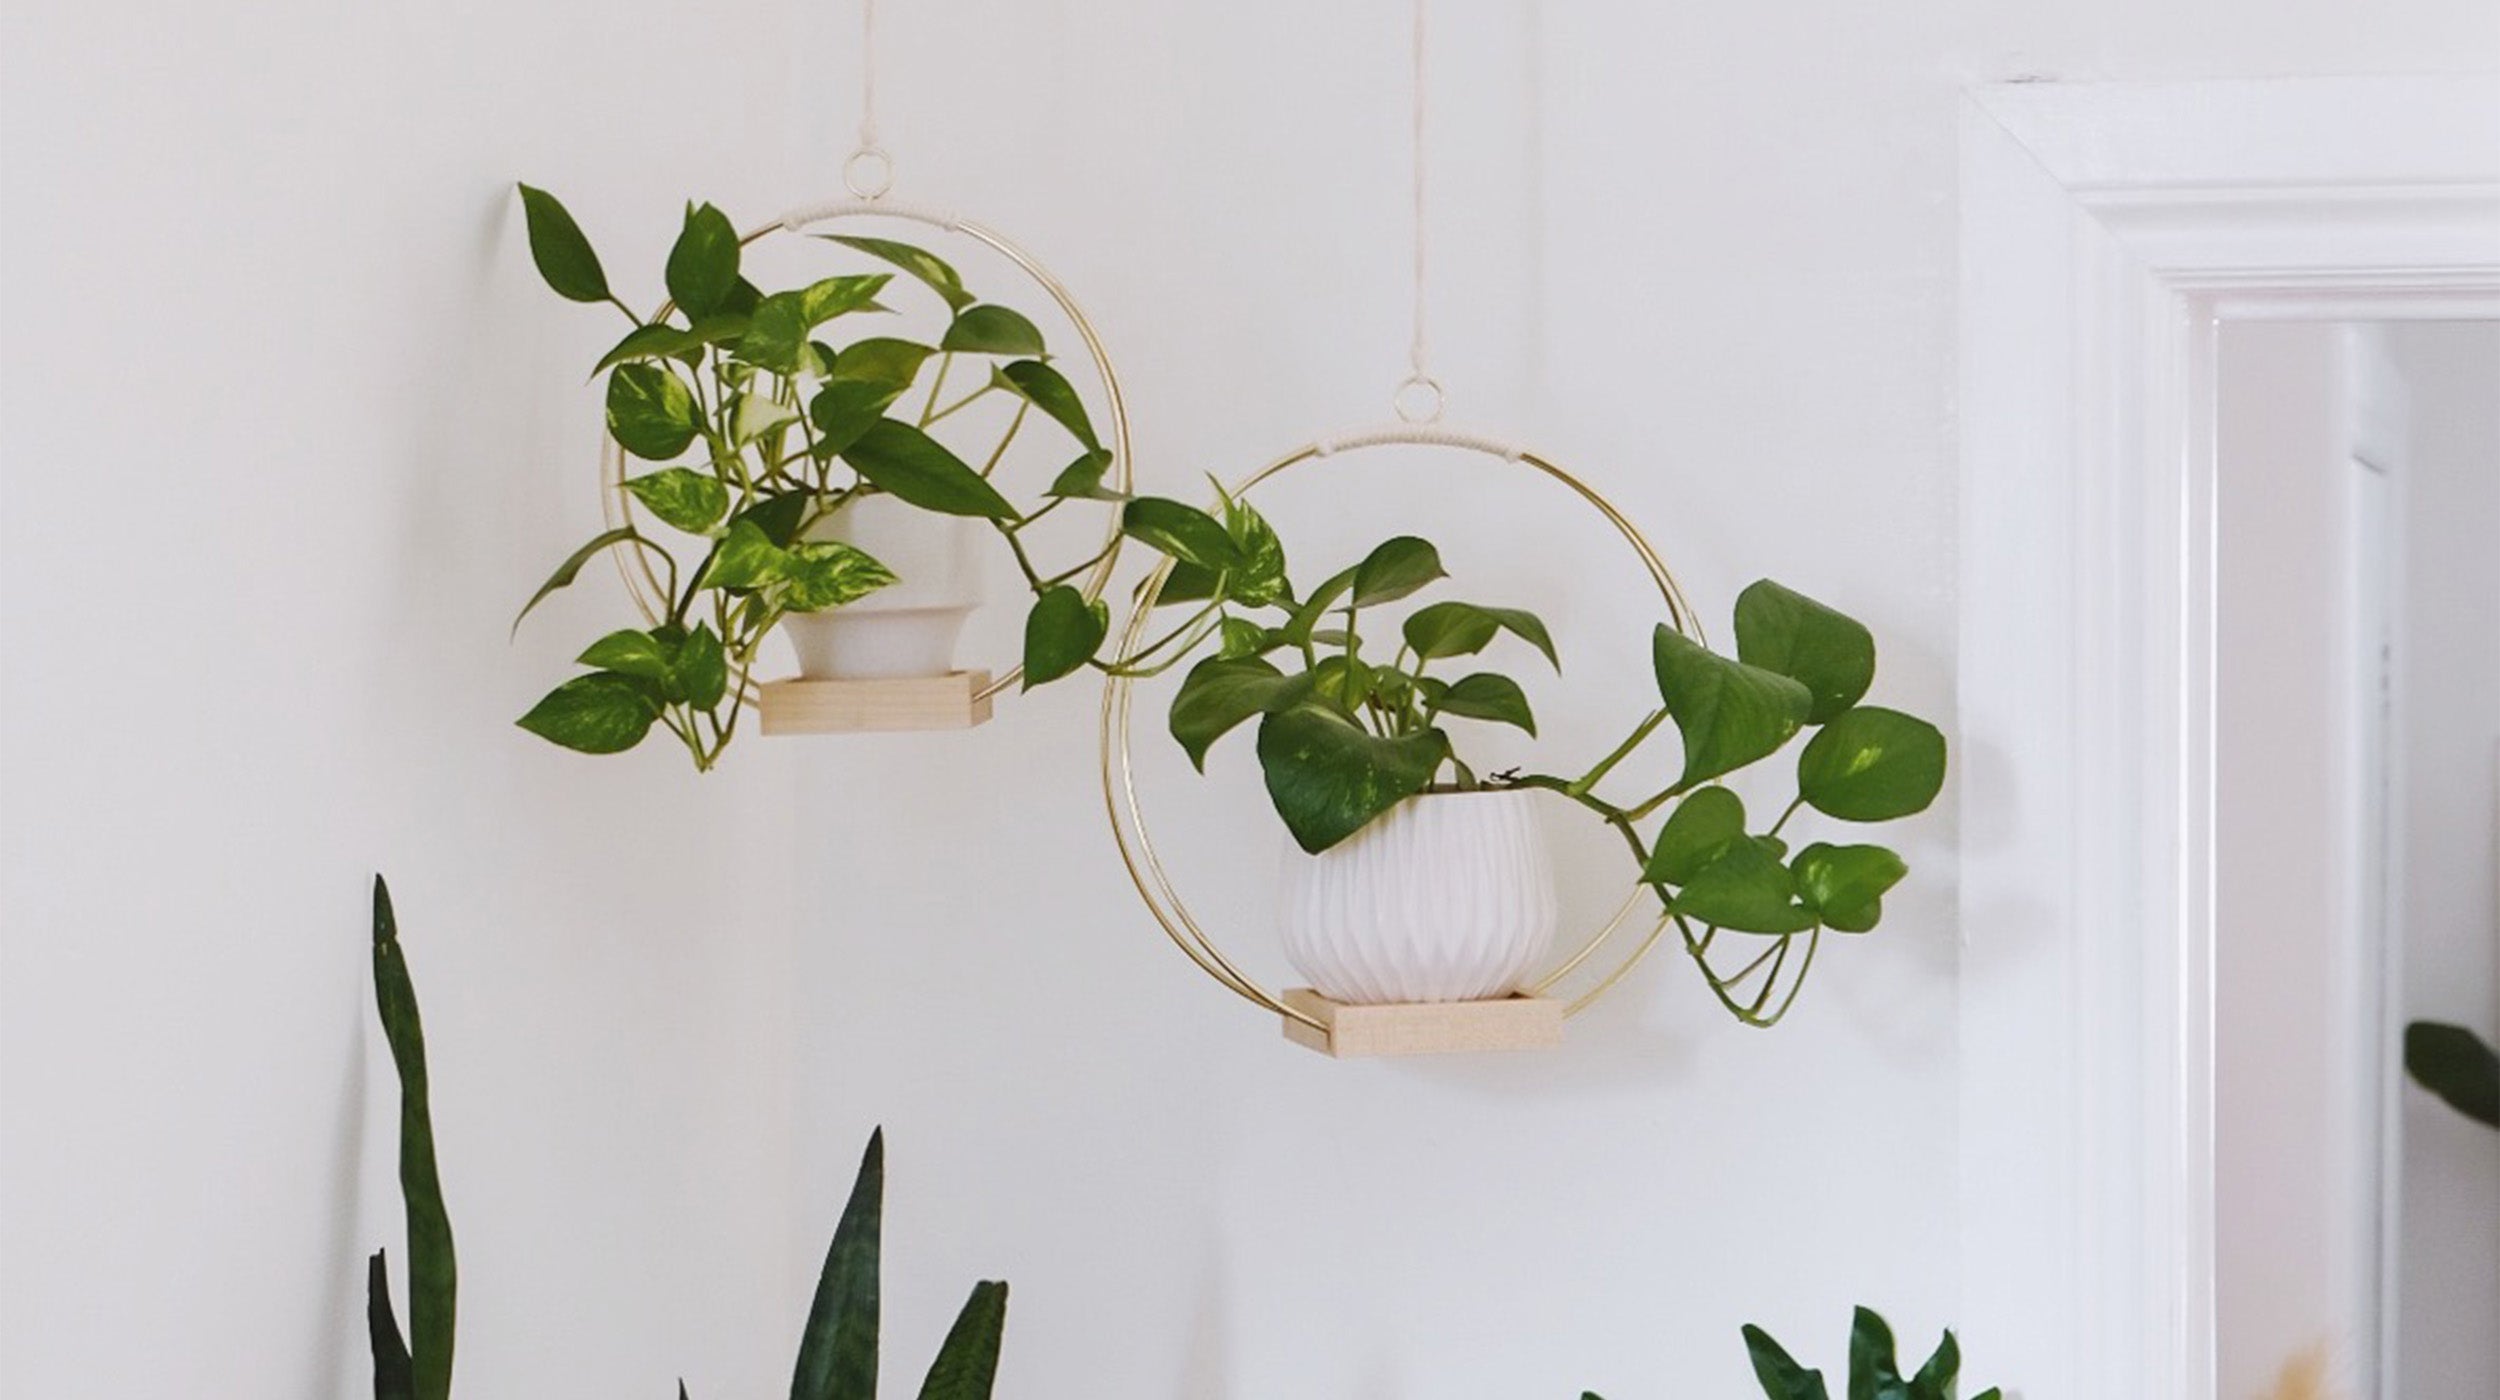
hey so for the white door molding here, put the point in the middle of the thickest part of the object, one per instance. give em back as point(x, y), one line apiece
point(2106, 232)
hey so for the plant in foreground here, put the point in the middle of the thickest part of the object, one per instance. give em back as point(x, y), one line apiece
point(1873, 1372)
point(418, 1365)
point(2455, 1064)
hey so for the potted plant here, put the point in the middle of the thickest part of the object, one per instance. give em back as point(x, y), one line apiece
point(813, 468)
point(1421, 877)
point(1874, 1373)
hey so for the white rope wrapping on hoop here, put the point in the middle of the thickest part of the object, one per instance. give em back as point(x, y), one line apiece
point(1418, 435)
point(798, 219)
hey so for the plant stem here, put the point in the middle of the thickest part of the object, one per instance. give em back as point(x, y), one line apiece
point(945, 362)
point(1784, 816)
point(1124, 666)
point(958, 406)
point(621, 306)
point(1622, 751)
point(1012, 424)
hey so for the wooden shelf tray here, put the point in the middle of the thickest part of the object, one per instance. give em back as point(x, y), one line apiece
point(1425, 1028)
point(951, 701)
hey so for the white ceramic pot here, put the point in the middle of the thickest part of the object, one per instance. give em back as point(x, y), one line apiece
point(909, 627)
point(1446, 897)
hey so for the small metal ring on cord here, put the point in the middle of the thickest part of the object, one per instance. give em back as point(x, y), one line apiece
point(1418, 399)
point(869, 172)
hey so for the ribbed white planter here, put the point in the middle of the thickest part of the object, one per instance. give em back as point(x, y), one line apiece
point(1447, 897)
point(907, 628)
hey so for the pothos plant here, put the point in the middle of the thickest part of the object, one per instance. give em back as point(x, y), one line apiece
point(760, 414)
point(1353, 718)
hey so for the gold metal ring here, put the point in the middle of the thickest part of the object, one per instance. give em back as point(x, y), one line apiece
point(618, 504)
point(1119, 778)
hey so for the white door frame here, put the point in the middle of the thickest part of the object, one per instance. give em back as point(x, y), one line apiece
point(2106, 232)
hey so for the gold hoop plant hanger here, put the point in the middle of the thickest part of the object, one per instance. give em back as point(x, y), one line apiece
point(1531, 1017)
point(959, 699)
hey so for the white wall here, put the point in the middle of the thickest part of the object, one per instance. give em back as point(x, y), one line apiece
point(292, 432)
point(2448, 698)
point(265, 288)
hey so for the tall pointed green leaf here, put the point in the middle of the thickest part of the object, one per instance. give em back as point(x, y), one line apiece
point(563, 255)
point(1781, 1377)
point(992, 330)
point(1934, 1380)
point(433, 1274)
point(838, 1351)
point(895, 456)
point(1873, 1373)
point(967, 1365)
point(926, 266)
point(393, 1376)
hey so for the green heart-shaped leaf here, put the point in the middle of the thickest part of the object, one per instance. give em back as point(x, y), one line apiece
point(1872, 765)
point(1745, 888)
point(1450, 629)
point(1702, 826)
point(1220, 693)
point(897, 457)
point(703, 265)
point(692, 501)
point(1048, 390)
point(745, 558)
point(1845, 885)
point(992, 330)
point(1486, 695)
point(1182, 531)
point(1082, 479)
point(819, 574)
point(1061, 634)
point(1830, 653)
point(563, 255)
point(1729, 713)
point(703, 667)
point(1328, 777)
point(1260, 579)
point(603, 712)
point(1395, 569)
point(651, 412)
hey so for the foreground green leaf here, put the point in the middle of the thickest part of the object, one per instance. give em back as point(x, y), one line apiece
point(1049, 390)
point(433, 1273)
point(1872, 765)
point(1182, 531)
point(1745, 888)
point(1702, 826)
point(1934, 1380)
point(1781, 1377)
point(1082, 479)
point(989, 329)
point(838, 1350)
point(1061, 634)
point(2455, 1064)
point(1221, 693)
point(745, 559)
point(1393, 570)
point(394, 1374)
point(1486, 695)
point(702, 667)
point(603, 712)
point(1328, 777)
point(967, 1364)
point(1729, 713)
point(563, 255)
point(821, 574)
point(899, 458)
point(1873, 1373)
point(651, 412)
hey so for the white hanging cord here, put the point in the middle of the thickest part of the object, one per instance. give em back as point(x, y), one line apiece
point(869, 172)
point(1417, 399)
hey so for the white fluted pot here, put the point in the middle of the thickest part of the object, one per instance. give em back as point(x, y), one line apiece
point(1446, 897)
point(909, 627)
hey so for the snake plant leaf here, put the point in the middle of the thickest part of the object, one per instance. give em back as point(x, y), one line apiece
point(1781, 1377)
point(1221, 693)
point(1845, 885)
point(1081, 479)
point(603, 712)
point(1394, 569)
point(650, 342)
point(2455, 1064)
point(1829, 652)
point(1329, 777)
point(838, 1351)
point(433, 1273)
point(703, 264)
point(563, 255)
point(1873, 1373)
point(1184, 532)
point(1702, 826)
point(394, 1376)
point(926, 266)
point(1049, 390)
point(897, 457)
point(990, 329)
point(1062, 633)
point(1486, 695)
point(1871, 764)
point(690, 500)
point(571, 568)
point(1745, 888)
point(1934, 1380)
point(1729, 713)
point(967, 1364)
point(651, 412)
